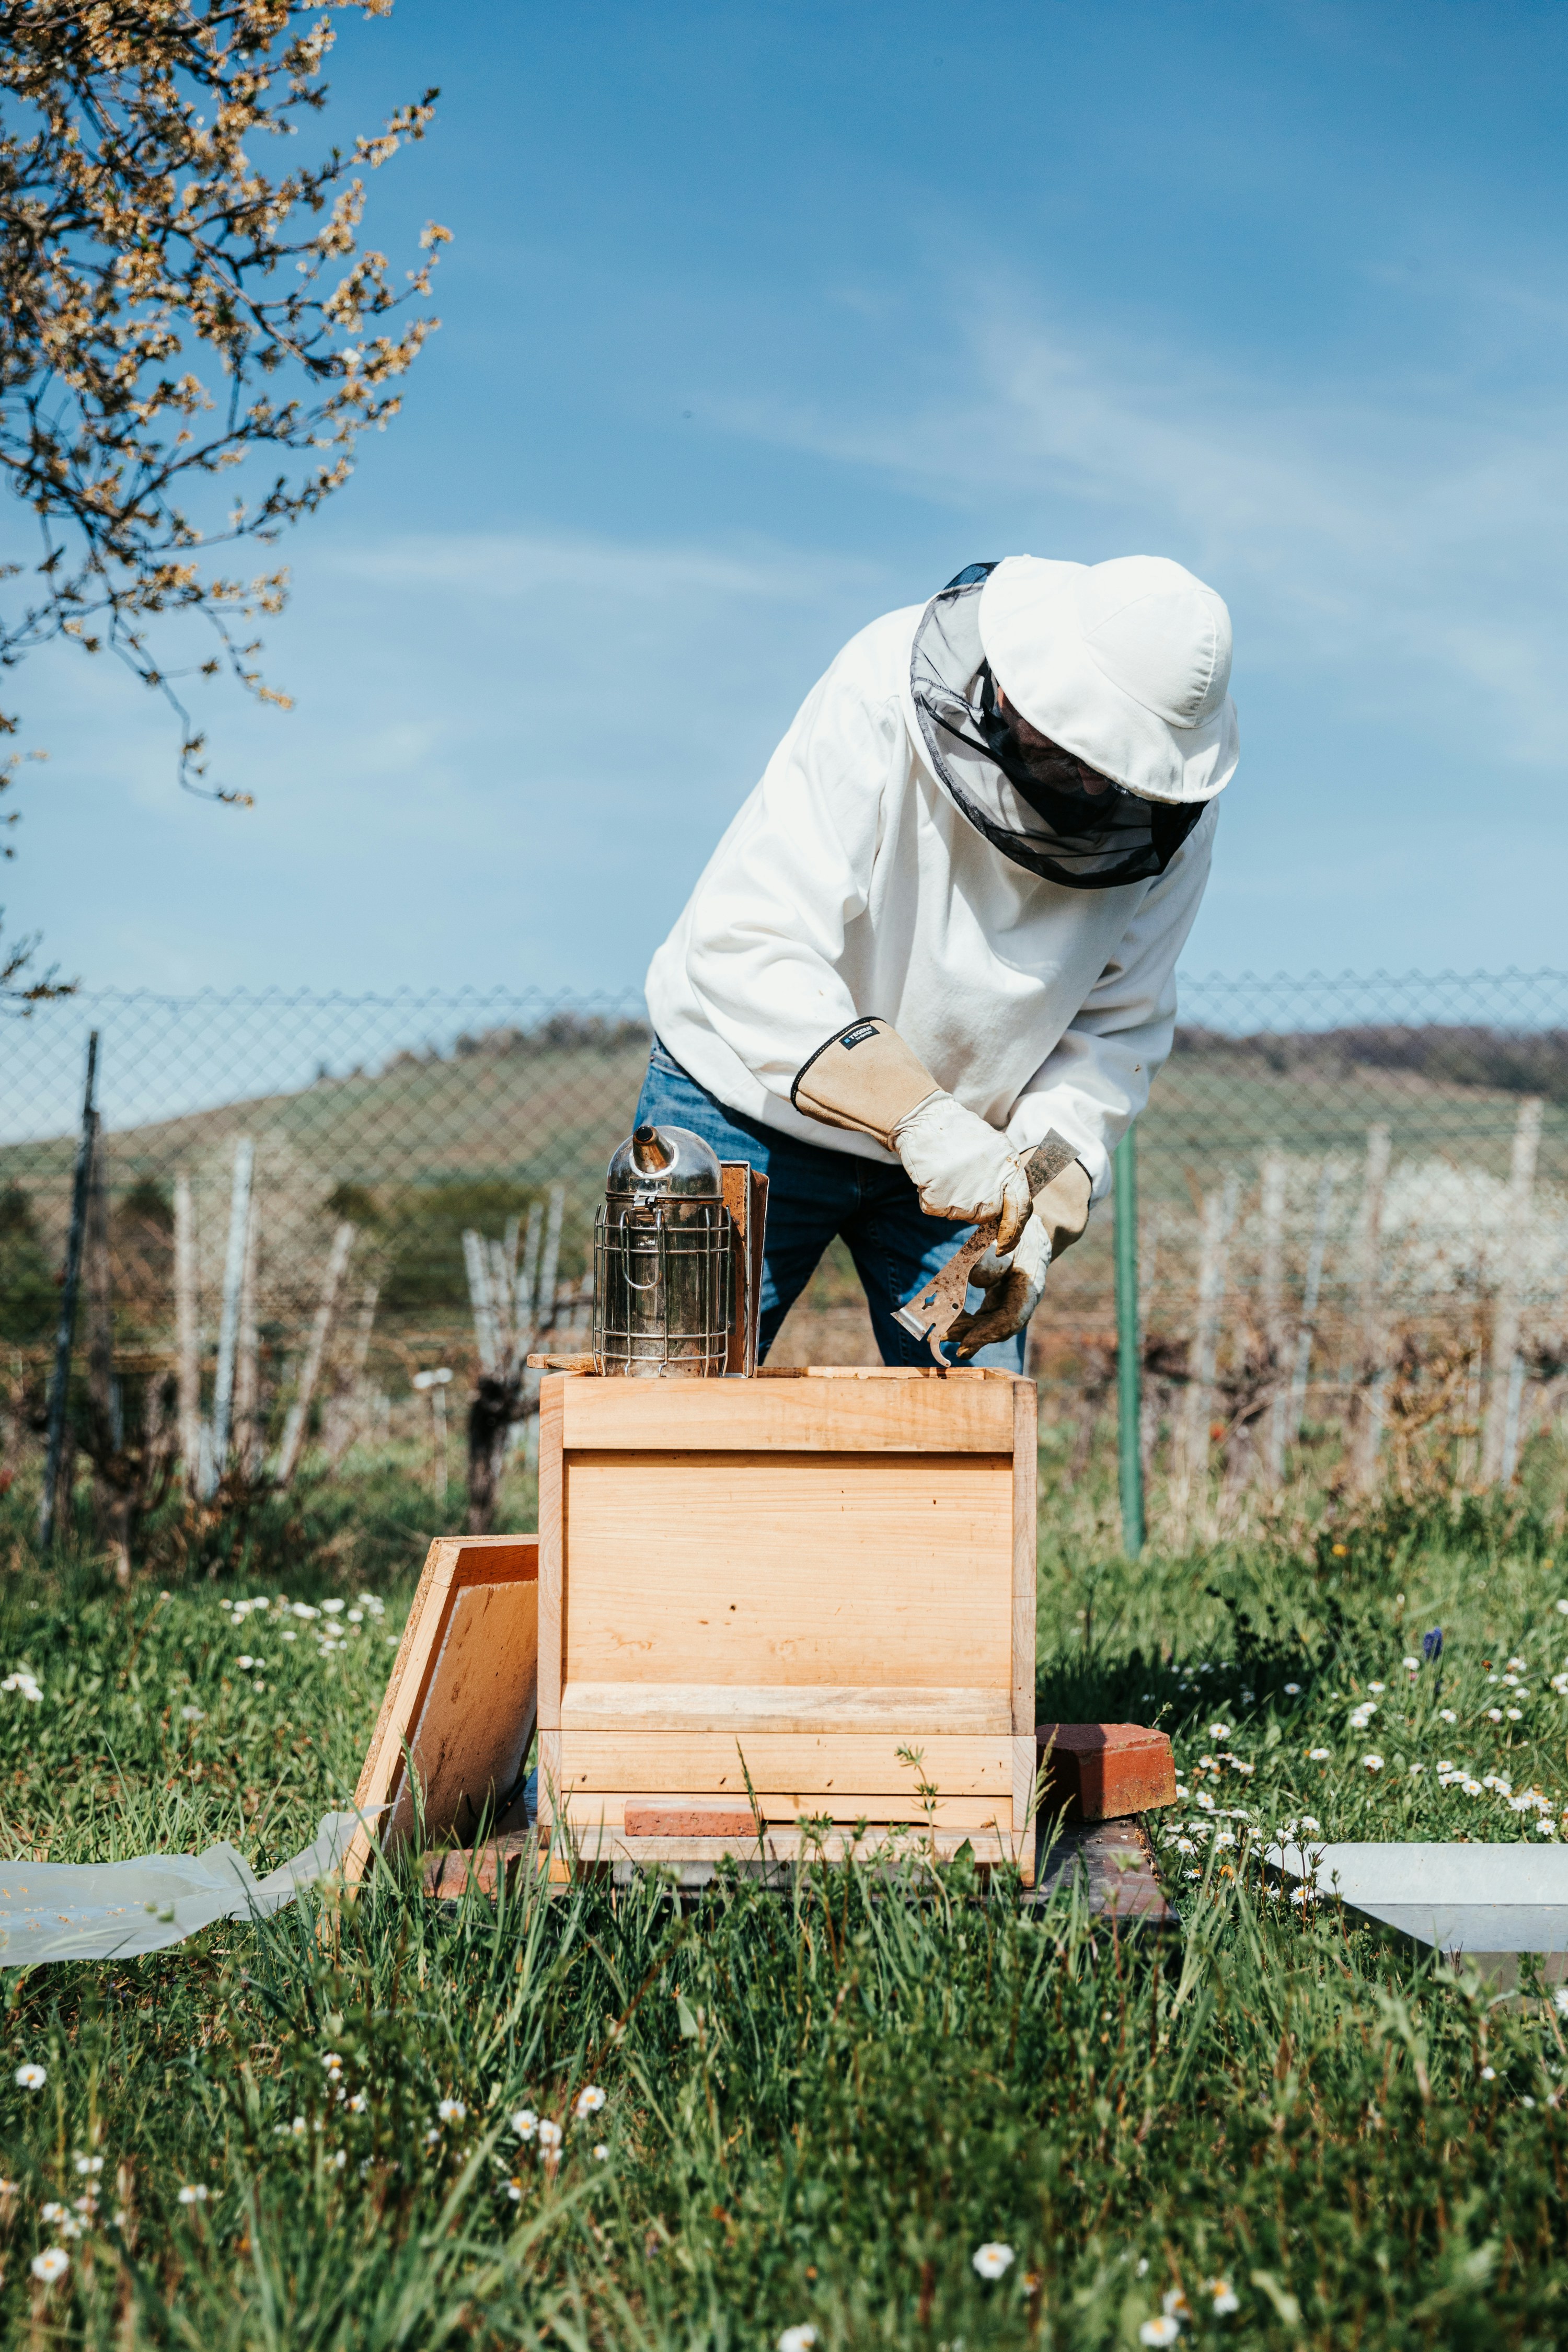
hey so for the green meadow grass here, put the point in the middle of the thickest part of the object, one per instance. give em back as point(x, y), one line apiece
point(1270, 2129)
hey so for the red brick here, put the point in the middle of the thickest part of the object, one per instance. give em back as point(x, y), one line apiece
point(446, 1875)
point(687, 1821)
point(1103, 1770)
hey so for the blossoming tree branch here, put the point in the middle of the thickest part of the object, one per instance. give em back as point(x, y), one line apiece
point(170, 311)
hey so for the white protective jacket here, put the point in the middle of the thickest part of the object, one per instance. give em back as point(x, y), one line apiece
point(849, 885)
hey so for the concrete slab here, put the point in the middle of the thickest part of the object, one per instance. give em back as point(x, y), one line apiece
point(1481, 1906)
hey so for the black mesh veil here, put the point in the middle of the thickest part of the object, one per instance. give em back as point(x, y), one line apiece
point(1032, 808)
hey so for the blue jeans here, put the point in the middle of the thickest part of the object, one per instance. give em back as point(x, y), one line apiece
point(814, 1194)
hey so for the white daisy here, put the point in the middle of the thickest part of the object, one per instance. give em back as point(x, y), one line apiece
point(992, 2260)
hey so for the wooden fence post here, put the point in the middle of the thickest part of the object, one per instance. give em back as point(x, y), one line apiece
point(233, 1281)
point(476, 1261)
point(186, 1332)
point(1219, 1216)
point(544, 1304)
point(103, 1434)
point(367, 1306)
point(1506, 1380)
point(1271, 1311)
point(247, 1433)
point(299, 1411)
point(1366, 1404)
point(528, 1273)
point(1311, 1291)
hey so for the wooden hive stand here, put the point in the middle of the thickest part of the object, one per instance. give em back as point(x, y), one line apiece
point(808, 1596)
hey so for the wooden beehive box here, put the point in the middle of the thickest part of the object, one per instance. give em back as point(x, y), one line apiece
point(787, 1579)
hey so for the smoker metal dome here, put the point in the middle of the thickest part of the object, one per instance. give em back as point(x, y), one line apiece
point(664, 1163)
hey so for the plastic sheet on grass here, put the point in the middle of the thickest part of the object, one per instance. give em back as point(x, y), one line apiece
point(116, 1910)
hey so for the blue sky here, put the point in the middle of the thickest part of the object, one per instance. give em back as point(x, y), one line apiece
point(762, 318)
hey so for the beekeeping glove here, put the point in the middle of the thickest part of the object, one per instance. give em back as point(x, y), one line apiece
point(1012, 1283)
point(866, 1078)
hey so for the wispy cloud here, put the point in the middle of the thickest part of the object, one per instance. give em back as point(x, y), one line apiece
point(522, 564)
point(1394, 545)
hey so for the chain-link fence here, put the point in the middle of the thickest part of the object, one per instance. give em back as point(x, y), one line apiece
point(1353, 1210)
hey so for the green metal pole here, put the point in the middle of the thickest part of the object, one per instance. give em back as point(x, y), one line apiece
point(1128, 1383)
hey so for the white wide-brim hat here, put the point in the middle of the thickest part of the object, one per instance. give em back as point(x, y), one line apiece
point(1125, 664)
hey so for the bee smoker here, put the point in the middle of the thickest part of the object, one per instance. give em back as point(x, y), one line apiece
point(664, 1261)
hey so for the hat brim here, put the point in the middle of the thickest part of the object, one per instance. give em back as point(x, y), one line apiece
point(1036, 647)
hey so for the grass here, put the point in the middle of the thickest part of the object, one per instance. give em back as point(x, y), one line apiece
point(816, 2112)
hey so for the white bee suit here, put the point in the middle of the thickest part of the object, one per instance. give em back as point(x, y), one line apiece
point(850, 885)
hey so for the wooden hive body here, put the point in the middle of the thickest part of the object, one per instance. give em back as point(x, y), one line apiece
point(754, 1593)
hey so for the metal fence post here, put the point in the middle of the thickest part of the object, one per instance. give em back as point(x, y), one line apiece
point(66, 1331)
point(1128, 1383)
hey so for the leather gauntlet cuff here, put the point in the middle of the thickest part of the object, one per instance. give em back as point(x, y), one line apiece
point(866, 1078)
point(1062, 1205)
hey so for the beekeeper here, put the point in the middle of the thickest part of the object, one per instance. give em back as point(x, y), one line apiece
point(946, 922)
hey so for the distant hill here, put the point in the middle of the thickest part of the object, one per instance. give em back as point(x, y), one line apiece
point(1522, 1061)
